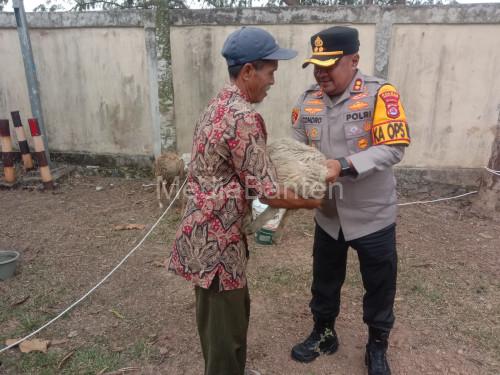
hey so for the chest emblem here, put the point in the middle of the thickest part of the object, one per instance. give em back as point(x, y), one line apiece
point(314, 132)
point(363, 143)
point(359, 96)
point(358, 106)
point(354, 130)
point(312, 110)
point(315, 102)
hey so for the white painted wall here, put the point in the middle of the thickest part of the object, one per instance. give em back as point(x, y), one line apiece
point(94, 88)
point(449, 77)
point(199, 71)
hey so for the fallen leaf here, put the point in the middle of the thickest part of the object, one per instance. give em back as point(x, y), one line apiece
point(157, 263)
point(58, 342)
point(117, 314)
point(19, 301)
point(65, 359)
point(122, 371)
point(27, 346)
point(129, 226)
point(72, 334)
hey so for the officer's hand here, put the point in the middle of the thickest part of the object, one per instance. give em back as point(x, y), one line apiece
point(334, 168)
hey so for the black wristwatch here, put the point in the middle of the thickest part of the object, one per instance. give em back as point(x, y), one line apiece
point(345, 168)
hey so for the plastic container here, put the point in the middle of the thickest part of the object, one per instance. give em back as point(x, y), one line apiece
point(264, 235)
point(8, 263)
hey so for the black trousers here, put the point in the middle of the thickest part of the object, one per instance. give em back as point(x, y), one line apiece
point(378, 265)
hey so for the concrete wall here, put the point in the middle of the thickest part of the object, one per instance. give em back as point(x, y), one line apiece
point(200, 72)
point(444, 60)
point(96, 88)
point(130, 83)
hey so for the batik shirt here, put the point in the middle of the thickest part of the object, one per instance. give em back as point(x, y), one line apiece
point(229, 165)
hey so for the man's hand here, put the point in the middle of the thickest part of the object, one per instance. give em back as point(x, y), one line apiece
point(334, 168)
point(287, 198)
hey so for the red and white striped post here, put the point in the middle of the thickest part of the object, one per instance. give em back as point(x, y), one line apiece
point(7, 153)
point(40, 155)
point(21, 140)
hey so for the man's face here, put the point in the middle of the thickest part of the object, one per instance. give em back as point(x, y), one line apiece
point(335, 79)
point(261, 80)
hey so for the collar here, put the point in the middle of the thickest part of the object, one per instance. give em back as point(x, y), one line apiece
point(356, 86)
point(358, 83)
point(231, 87)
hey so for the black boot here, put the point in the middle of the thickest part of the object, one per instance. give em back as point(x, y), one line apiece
point(376, 353)
point(323, 339)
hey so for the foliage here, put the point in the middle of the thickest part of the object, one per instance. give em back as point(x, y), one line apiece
point(84, 5)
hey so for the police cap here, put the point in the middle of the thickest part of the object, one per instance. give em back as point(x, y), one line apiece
point(329, 45)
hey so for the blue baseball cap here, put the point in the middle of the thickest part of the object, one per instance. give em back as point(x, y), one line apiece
point(251, 44)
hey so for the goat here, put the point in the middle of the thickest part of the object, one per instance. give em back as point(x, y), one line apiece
point(170, 173)
point(299, 168)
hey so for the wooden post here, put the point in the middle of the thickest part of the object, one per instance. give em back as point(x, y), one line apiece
point(23, 143)
point(7, 154)
point(39, 154)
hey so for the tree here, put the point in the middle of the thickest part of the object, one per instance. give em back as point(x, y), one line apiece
point(487, 203)
point(2, 4)
point(83, 5)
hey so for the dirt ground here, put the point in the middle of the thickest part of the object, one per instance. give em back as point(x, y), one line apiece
point(447, 306)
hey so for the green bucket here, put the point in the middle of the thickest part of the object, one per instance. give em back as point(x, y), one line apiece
point(8, 263)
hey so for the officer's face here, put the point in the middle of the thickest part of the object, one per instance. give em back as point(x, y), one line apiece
point(260, 80)
point(335, 79)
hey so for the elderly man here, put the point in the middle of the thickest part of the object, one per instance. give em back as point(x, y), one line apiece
point(358, 122)
point(228, 164)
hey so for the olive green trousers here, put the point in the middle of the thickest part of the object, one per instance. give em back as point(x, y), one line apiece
point(222, 318)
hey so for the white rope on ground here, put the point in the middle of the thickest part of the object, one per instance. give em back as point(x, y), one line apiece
point(438, 200)
point(497, 173)
point(100, 282)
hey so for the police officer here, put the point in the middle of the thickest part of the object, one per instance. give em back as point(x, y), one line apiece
point(358, 122)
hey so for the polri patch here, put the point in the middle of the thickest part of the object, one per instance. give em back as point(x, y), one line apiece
point(358, 116)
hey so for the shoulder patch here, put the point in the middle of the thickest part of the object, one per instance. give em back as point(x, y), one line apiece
point(295, 115)
point(358, 85)
point(389, 120)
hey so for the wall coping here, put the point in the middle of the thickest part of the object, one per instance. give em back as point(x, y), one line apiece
point(449, 14)
point(115, 18)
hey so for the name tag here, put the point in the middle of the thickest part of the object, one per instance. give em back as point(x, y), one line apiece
point(312, 120)
point(357, 116)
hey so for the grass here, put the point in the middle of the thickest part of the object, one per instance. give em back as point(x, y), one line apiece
point(279, 278)
point(86, 361)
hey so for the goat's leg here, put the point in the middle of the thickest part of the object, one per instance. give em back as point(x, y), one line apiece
point(262, 219)
point(278, 234)
point(165, 192)
point(159, 183)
